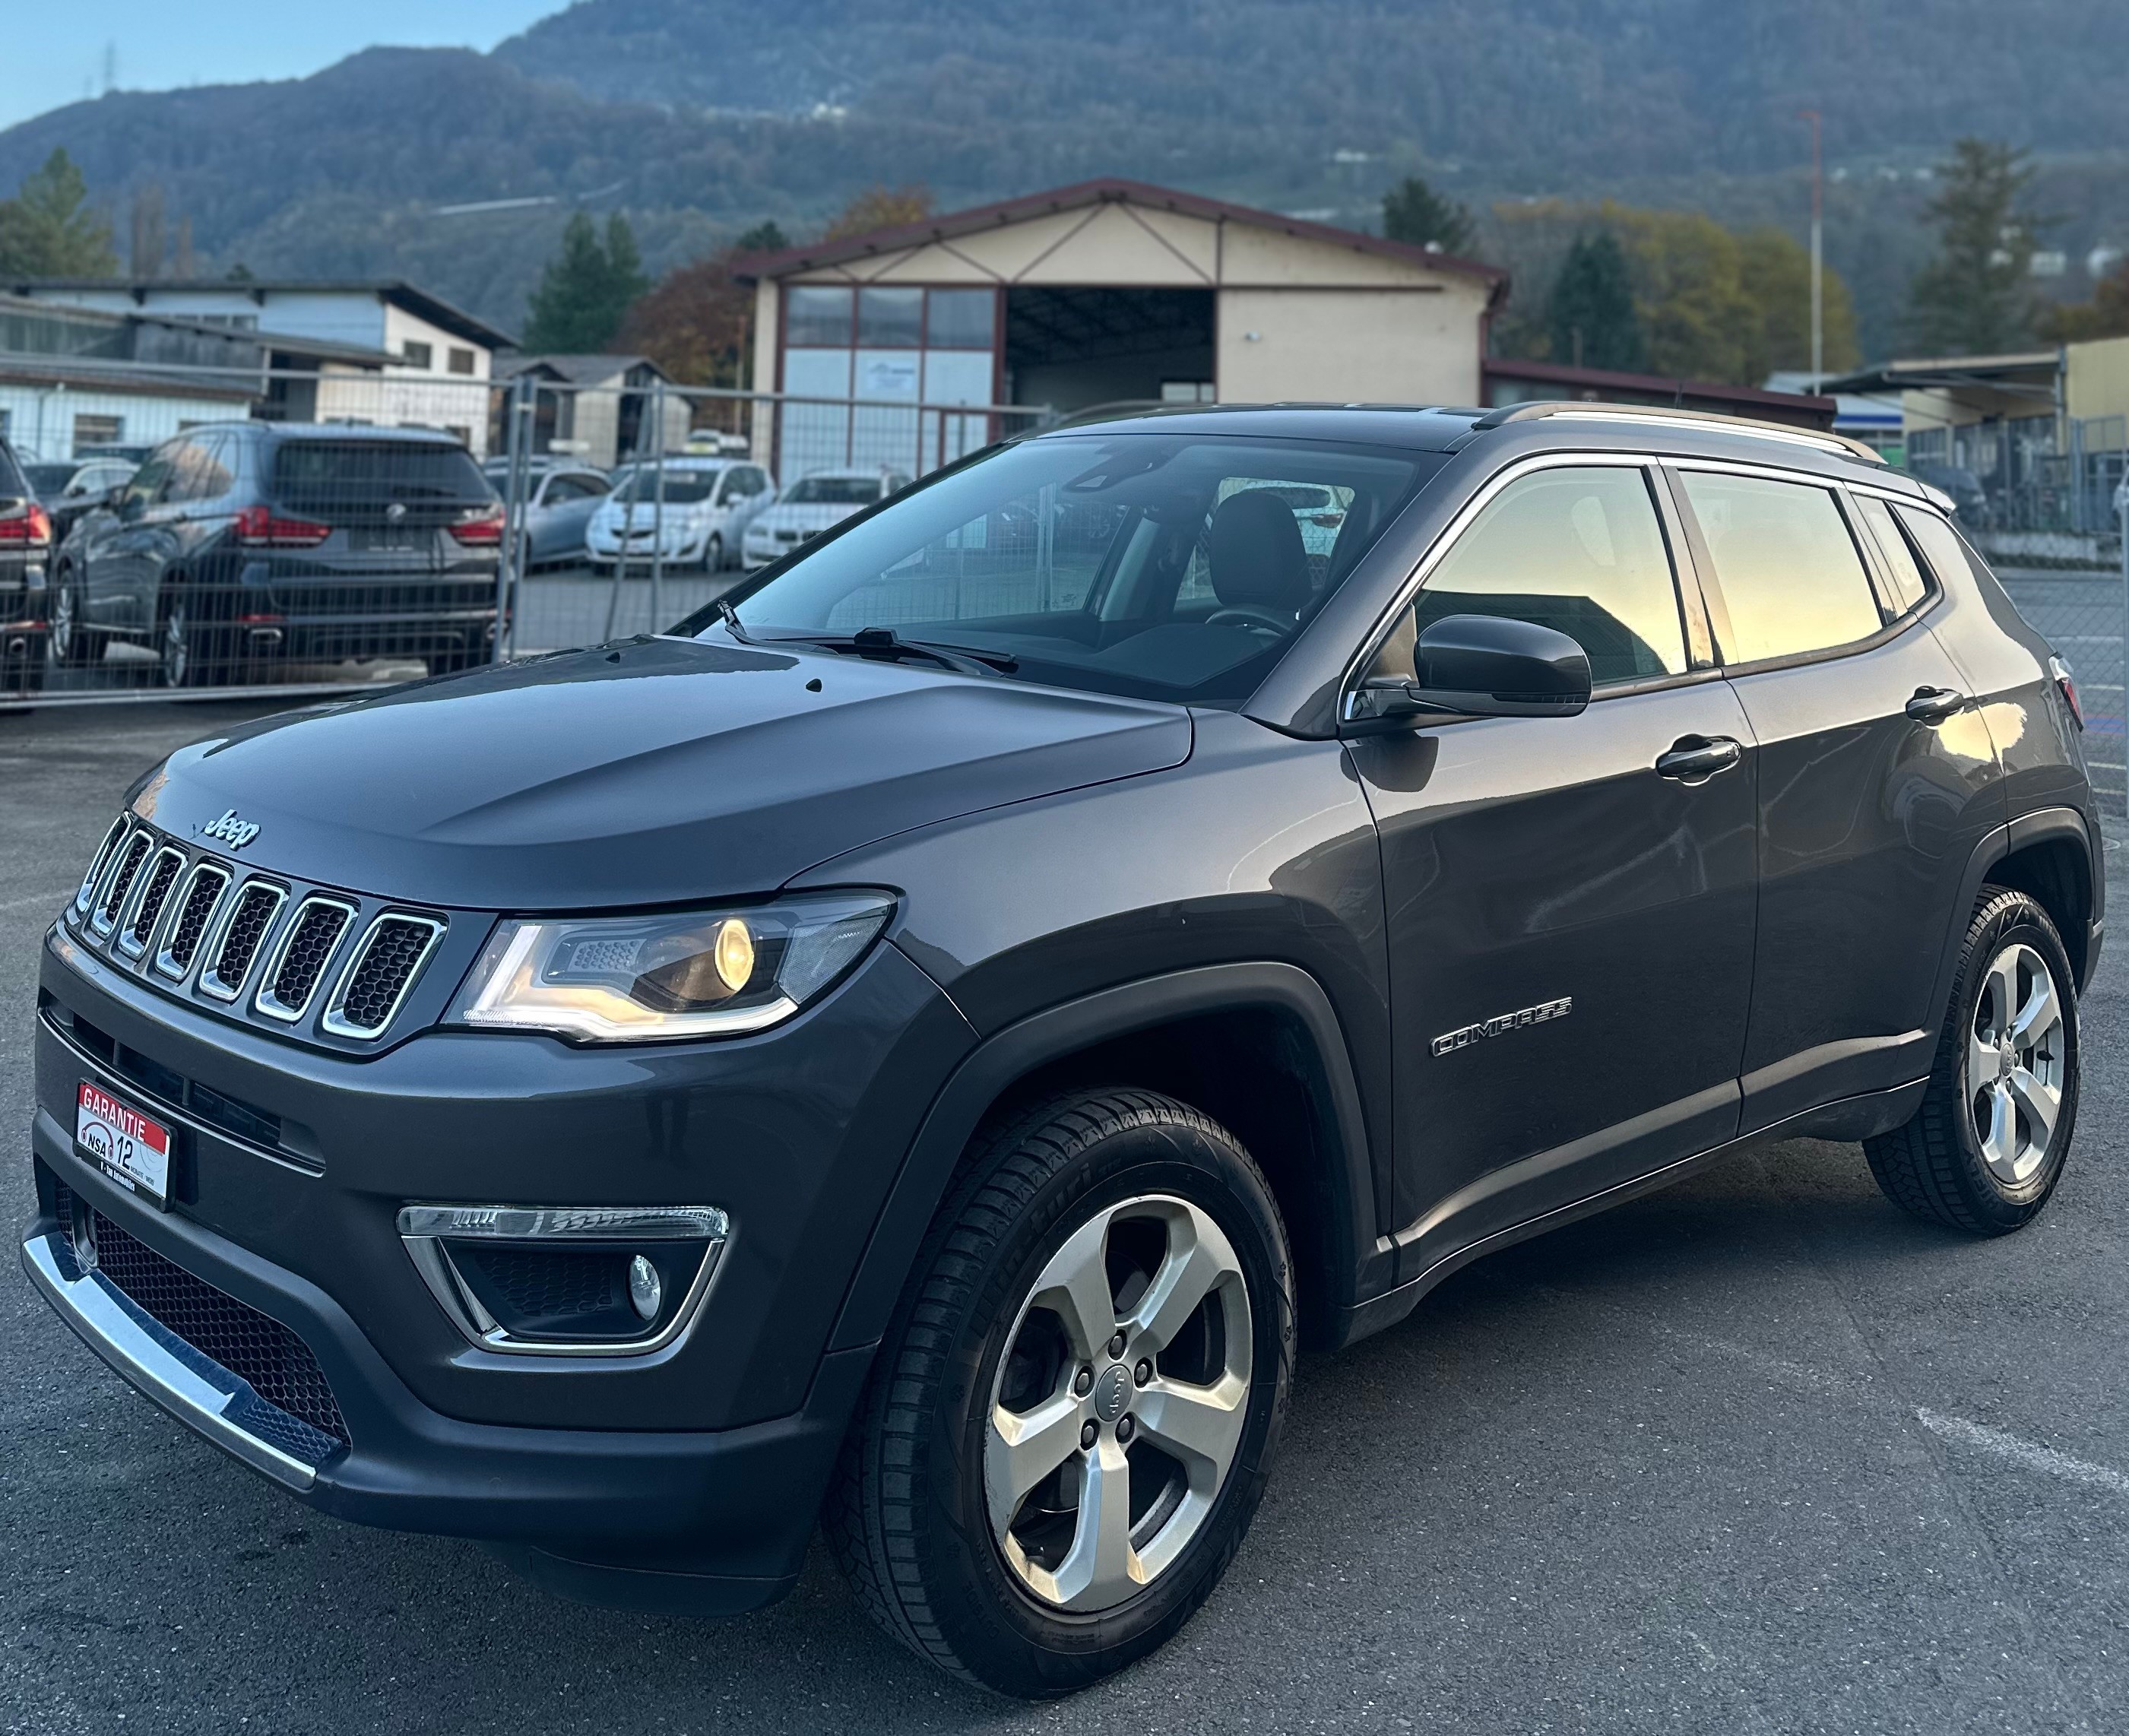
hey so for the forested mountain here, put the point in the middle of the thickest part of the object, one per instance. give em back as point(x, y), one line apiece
point(698, 117)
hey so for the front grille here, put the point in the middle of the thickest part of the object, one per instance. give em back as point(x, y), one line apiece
point(154, 893)
point(314, 934)
point(122, 881)
point(99, 862)
point(392, 955)
point(209, 882)
point(256, 906)
point(276, 1364)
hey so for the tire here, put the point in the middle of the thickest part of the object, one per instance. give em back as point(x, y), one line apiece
point(72, 646)
point(1151, 1195)
point(192, 653)
point(713, 553)
point(1972, 1156)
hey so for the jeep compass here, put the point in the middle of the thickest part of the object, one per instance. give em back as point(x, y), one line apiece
point(914, 1048)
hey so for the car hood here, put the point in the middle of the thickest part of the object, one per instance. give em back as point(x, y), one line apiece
point(656, 772)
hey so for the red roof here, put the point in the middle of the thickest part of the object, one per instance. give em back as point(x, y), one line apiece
point(1111, 190)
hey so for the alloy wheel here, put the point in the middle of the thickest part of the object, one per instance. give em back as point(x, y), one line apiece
point(2016, 1055)
point(1119, 1403)
point(177, 646)
point(66, 624)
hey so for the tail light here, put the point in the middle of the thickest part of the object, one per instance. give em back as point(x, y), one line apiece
point(2066, 685)
point(258, 527)
point(26, 526)
point(481, 528)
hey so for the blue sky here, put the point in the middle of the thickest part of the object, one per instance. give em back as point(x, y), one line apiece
point(160, 45)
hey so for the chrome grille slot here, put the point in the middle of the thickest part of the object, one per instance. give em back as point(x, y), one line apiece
point(379, 976)
point(148, 903)
point(97, 863)
point(299, 961)
point(196, 908)
point(235, 944)
point(123, 873)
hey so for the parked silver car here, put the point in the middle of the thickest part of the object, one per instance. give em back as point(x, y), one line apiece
point(559, 505)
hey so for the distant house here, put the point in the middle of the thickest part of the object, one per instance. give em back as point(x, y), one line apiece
point(593, 407)
point(381, 351)
point(72, 377)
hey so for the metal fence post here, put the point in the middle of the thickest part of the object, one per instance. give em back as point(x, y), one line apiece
point(657, 506)
point(516, 533)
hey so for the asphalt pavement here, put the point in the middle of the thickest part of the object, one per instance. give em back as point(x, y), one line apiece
point(1755, 1454)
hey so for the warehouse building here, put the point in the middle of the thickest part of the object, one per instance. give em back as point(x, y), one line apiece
point(1108, 293)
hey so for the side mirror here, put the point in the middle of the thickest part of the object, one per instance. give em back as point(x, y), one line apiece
point(1479, 665)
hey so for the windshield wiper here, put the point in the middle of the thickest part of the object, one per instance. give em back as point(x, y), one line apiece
point(883, 645)
point(730, 616)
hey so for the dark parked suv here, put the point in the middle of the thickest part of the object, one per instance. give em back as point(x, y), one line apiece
point(26, 547)
point(920, 1044)
point(240, 544)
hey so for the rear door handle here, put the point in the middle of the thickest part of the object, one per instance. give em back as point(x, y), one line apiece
point(1696, 758)
point(1933, 705)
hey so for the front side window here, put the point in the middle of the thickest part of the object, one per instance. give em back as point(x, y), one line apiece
point(1064, 560)
point(1789, 572)
point(1580, 550)
point(834, 491)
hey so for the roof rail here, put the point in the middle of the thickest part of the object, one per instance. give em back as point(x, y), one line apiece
point(1665, 415)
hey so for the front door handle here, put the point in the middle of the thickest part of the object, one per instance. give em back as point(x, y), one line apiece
point(1933, 705)
point(1696, 758)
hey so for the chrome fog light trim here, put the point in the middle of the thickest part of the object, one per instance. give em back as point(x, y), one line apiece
point(423, 1230)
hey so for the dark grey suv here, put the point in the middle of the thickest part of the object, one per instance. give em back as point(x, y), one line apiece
point(920, 1044)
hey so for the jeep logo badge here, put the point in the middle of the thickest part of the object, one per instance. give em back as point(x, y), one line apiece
point(231, 830)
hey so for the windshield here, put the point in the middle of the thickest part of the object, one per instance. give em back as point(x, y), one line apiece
point(834, 491)
point(1161, 566)
point(682, 488)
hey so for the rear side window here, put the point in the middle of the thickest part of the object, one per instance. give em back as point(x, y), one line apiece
point(1909, 587)
point(1938, 541)
point(1789, 572)
point(199, 471)
point(1579, 550)
point(370, 470)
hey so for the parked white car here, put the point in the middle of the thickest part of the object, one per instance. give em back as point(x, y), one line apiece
point(810, 505)
point(706, 506)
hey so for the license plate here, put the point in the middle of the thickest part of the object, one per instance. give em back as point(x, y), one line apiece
point(131, 1149)
point(383, 542)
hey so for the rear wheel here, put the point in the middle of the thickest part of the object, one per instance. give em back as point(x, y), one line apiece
point(1071, 1422)
point(1986, 1148)
point(193, 652)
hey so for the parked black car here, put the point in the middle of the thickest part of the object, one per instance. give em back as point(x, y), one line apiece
point(26, 547)
point(920, 1047)
point(239, 545)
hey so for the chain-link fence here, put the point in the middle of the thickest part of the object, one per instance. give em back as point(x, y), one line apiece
point(283, 531)
point(2084, 615)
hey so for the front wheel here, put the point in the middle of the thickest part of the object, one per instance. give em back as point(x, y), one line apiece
point(1072, 1419)
point(72, 645)
point(713, 553)
point(1986, 1148)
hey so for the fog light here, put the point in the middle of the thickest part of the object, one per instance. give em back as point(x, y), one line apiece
point(646, 1290)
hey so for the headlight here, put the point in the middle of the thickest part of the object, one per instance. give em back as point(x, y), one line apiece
point(697, 973)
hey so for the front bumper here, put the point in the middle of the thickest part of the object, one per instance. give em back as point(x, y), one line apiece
point(704, 1459)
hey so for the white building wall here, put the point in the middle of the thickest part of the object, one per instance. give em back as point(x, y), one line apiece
point(39, 422)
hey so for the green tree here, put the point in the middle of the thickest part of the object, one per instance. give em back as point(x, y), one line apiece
point(1972, 299)
point(880, 207)
point(1591, 313)
point(764, 237)
point(1777, 276)
point(2105, 315)
point(585, 290)
point(48, 229)
point(1415, 214)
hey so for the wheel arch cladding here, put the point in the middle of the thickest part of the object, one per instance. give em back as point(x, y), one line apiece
point(1256, 1046)
point(2055, 870)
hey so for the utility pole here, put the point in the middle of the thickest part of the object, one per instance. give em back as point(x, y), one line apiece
point(1817, 251)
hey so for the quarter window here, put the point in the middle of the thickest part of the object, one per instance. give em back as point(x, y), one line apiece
point(1789, 572)
point(1939, 542)
point(1909, 587)
point(1580, 550)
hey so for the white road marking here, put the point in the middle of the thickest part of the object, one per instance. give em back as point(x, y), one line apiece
point(2029, 1453)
